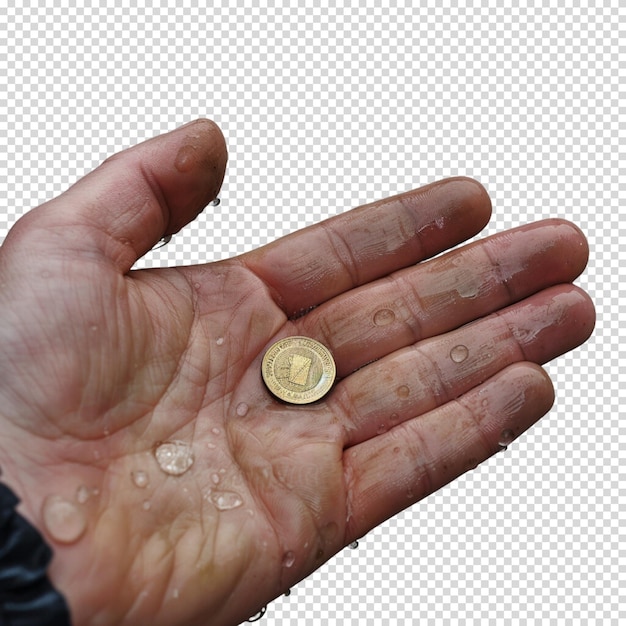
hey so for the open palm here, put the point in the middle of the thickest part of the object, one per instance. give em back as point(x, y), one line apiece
point(134, 422)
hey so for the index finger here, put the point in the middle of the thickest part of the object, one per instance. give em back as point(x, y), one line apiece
point(311, 266)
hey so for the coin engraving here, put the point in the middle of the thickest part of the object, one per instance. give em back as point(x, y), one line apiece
point(300, 366)
point(298, 370)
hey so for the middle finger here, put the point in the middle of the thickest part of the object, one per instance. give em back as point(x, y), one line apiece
point(440, 295)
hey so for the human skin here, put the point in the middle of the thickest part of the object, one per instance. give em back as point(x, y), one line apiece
point(438, 363)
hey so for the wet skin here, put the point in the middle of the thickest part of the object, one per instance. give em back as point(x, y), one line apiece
point(111, 378)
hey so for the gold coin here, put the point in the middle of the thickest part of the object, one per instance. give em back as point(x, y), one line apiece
point(298, 370)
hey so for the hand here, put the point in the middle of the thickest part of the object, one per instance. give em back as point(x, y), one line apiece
point(437, 366)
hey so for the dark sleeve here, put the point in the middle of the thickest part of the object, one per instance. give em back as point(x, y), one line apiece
point(27, 597)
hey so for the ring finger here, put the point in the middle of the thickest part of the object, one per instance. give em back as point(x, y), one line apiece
point(419, 378)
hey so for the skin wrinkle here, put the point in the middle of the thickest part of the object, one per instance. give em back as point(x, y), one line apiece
point(538, 313)
point(440, 391)
point(158, 195)
point(24, 396)
point(230, 366)
point(180, 371)
point(127, 251)
point(501, 317)
point(414, 315)
point(441, 282)
point(500, 280)
point(212, 380)
point(177, 369)
point(349, 481)
point(422, 459)
point(260, 499)
point(235, 309)
point(409, 202)
point(303, 484)
point(476, 426)
point(415, 236)
point(347, 408)
point(86, 230)
point(119, 397)
point(349, 263)
point(166, 562)
point(103, 528)
point(513, 406)
point(272, 292)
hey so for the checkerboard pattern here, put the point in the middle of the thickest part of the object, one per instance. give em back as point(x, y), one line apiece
point(329, 105)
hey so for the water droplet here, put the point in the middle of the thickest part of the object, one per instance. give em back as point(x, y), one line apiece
point(459, 353)
point(289, 558)
point(216, 431)
point(226, 500)
point(82, 494)
point(186, 158)
point(174, 457)
point(384, 317)
point(197, 285)
point(140, 478)
point(146, 505)
point(93, 328)
point(215, 478)
point(354, 545)
point(242, 409)
point(65, 522)
point(329, 533)
point(220, 341)
point(471, 464)
point(381, 429)
point(175, 593)
point(215, 202)
point(468, 290)
point(163, 242)
point(403, 391)
point(257, 616)
point(506, 438)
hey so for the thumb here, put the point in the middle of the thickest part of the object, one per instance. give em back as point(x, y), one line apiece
point(124, 207)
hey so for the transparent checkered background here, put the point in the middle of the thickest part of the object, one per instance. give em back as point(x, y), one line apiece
point(325, 108)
